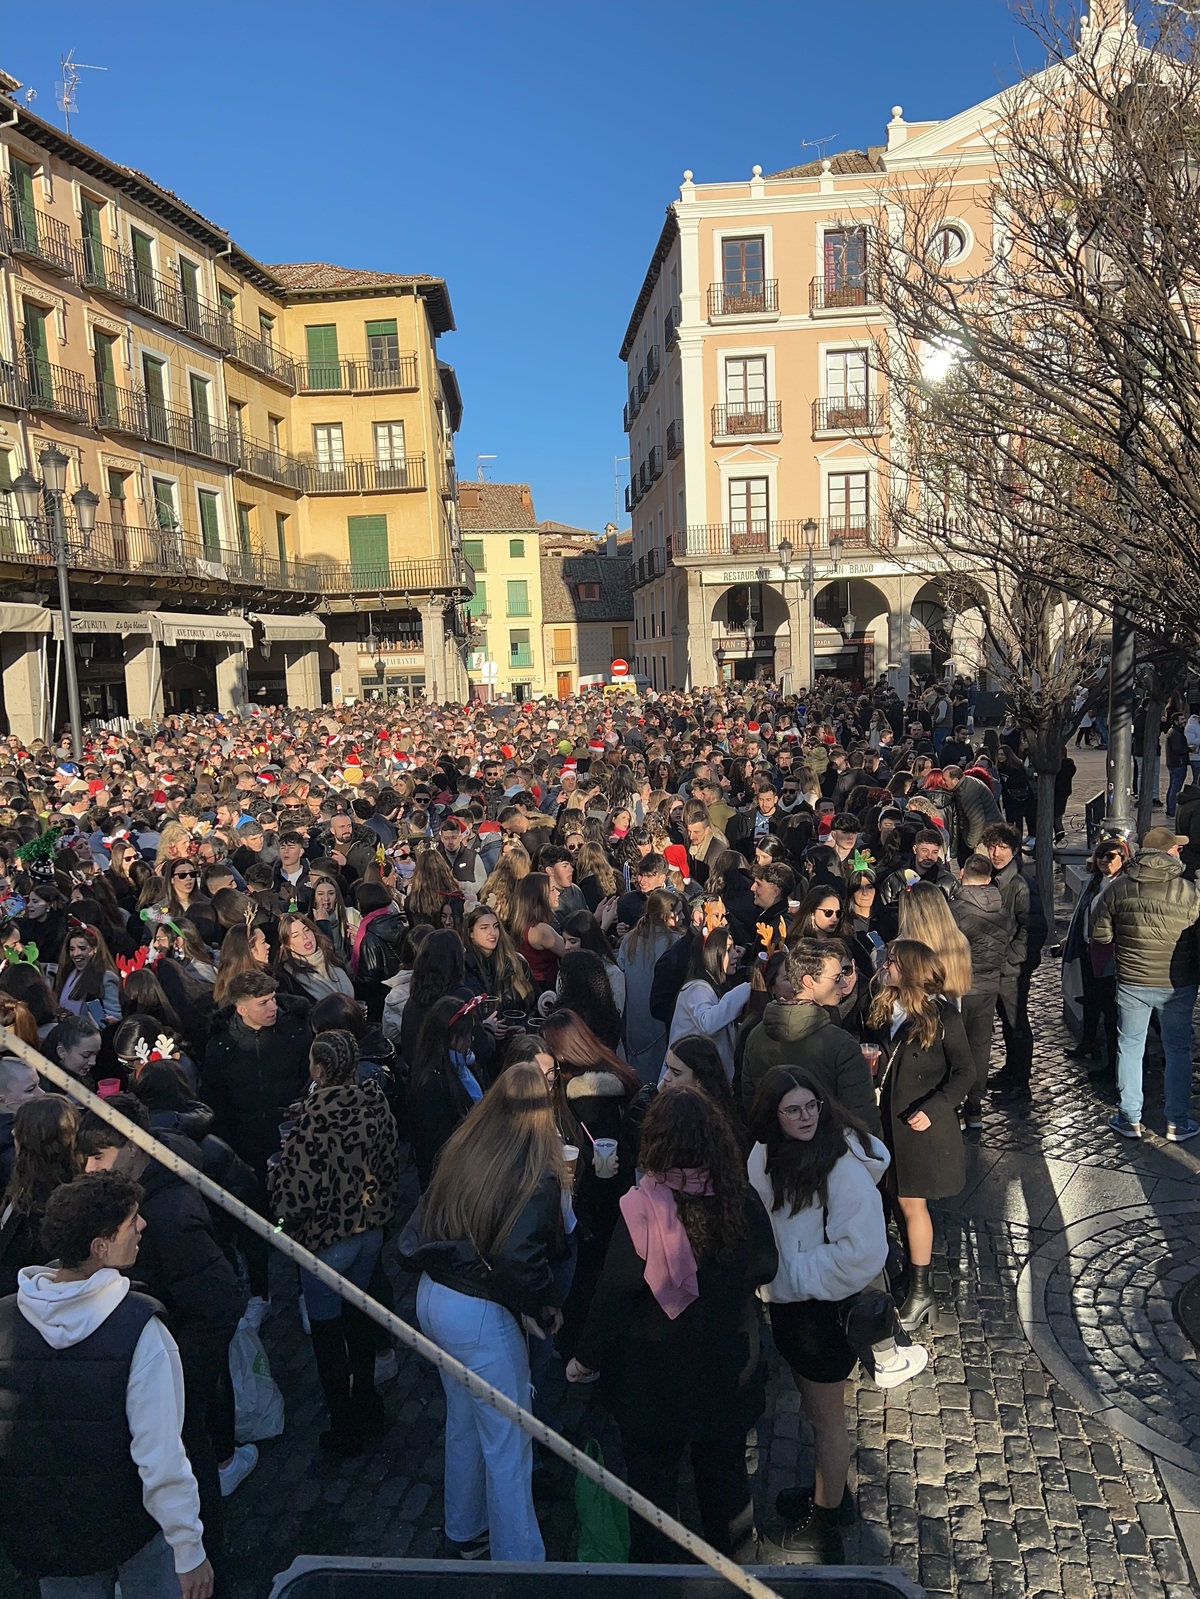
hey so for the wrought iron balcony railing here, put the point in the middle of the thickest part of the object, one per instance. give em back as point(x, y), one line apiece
point(756, 418)
point(258, 354)
point(847, 292)
point(257, 459)
point(757, 297)
point(763, 537)
point(852, 414)
point(358, 374)
point(181, 430)
point(654, 463)
point(36, 236)
point(674, 439)
point(50, 389)
point(365, 477)
point(118, 275)
point(520, 655)
point(652, 367)
point(671, 333)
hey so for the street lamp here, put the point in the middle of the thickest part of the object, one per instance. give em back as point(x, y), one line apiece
point(810, 529)
point(785, 560)
point(31, 497)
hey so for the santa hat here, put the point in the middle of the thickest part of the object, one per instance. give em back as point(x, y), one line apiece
point(596, 748)
point(675, 855)
point(570, 766)
point(752, 727)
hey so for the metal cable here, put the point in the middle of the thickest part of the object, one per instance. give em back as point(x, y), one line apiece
point(409, 1336)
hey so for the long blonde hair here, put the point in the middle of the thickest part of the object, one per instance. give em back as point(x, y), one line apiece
point(926, 918)
point(172, 835)
point(921, 980)
point(493, 1161)
point(591, 861)
point(509, 870)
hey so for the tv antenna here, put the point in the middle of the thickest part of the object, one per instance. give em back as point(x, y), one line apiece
point(67, 97)
point(818, 144)
point(479, 467)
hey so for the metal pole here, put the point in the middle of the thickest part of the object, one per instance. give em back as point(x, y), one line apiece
point(1118, 809)
point(812, 623)
point(64, 601)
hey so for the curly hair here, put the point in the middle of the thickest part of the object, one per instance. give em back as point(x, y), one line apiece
point(686, 1130)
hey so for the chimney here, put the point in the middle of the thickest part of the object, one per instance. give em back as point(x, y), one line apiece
point(610, 543)
point(526, 498)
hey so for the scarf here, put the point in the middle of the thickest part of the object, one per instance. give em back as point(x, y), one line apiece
point(372, 916)
point(659, 1237)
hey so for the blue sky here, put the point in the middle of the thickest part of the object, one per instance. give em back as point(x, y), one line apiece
point(525, 152)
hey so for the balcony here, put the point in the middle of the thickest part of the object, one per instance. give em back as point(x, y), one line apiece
point(366, 477)
point(654, 463)
point(119, 276)
point(859, 413)
point(401, 577)
point(763, 538)
point(626, 419)
point(847, 293)
point(253, 353)
point(51, 390)
point(762, 420)
point(358, 374)
point(674, 440)
point(517, 607)
point(180, 430)
point(643, 388)
point(652, 366)
point(256, 459)
point(117, 410)
point(563, 655)
point(643, 479)
point(520, 655)
point(630, 497)
point(752, 299)
point(34, 235)
point(634, 406)
point(10, 387)
point(671, 336)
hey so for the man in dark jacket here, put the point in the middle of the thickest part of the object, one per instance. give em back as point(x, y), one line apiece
point(800, 1033)
point(182, 1265)
point(987, 925)
point(973, 806)
point(1002, 845)
point(765, 819)
point(925, 864)
point(352, 846)
point(1150, 913)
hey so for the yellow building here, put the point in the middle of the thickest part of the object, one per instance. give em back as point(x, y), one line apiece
point(500, 541)
point(587, 604)
point(272, 448)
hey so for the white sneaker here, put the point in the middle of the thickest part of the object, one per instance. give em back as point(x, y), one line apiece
point(386, 1367)
point(899, 1365)
point(245, 1458)
point(256, 1312)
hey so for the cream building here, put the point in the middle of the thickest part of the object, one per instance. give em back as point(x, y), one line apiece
point(500, 541)
point(272, 448)
point(753, 408)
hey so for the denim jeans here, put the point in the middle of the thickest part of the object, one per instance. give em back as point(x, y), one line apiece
point(1175, 781)
point(489, 1461)
point(1174, 1007)
point(354, 1258)
point(150, 1574)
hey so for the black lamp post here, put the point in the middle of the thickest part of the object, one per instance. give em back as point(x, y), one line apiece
point(31, 497)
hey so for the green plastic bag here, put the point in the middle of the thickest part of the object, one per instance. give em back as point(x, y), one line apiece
point(603, 1523)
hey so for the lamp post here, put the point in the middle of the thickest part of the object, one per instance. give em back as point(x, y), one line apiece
point(810, 529)
point(31, 496)
point(785, 560)
point(748, 630)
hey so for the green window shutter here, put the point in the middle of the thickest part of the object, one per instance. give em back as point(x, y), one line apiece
point(35, 332)
point(281, 523)
point(189, 278)
point(516, 549)
point(21, 174)
point(368, 537)
point(518, 597)
point(199, 392)
point(105, 367)
point(243, 527)
point(477, 604)
point(210, 525)
point(226, 299)
point(473, 552)
point(90, 228)
point(6, 477)
point(155, 382)
point(381, 330)
point(143, 250)
point(322, 347)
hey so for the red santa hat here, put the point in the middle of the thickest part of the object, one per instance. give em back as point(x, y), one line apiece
point(596, 748)
point(752, 727)
point(675, 855)
point(570, 766)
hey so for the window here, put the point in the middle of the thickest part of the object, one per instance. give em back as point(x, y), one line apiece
point(37, 351)
point(948, 244)
point(518, 597)
point(105, 369)
point(321, 345)
point(91, 227)
point(845, 388)
point(520, 651)
point(742, 268)
point(746, 394)
point(383, 346)
point(848, 502)
point(327, 448)
point(564, 652)
point(477, 604)
point(588, 591)
point(620, 643)
point(210, 524)
point(845, 251)
point(748, 505)
point(165, 514)
point(154, 381)
point(245, 538)
point(226, 299)
point(391, 470)
point(275, 432)
point(189, 283)
point(235, 413)
point(516, 549)
point(266, 327)
point(368, 539)
point(143, 269)
point(281, 523)
point(473, 555)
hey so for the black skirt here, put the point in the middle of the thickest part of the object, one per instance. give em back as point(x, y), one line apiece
point(809, 1336)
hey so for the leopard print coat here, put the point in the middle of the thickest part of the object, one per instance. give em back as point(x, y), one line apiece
point(338, 1169)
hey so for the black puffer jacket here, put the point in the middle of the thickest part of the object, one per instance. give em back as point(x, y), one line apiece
point(219, 1160)
point(359, 852)
point(517, 1275)
point(1021, 897)
point(988, 926)
point(378, 959)
point(1150, 914)
point(250, 1078)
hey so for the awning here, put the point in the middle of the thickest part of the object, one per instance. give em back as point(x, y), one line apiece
point(290, 629)
point(24, 619)
point(104, 622)
point(175, 627)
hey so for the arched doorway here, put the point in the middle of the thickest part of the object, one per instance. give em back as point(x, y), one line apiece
point(851, 636)
point(946, 635)
point(750, 633)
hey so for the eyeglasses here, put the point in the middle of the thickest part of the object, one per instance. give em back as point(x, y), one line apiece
point(846, 971)
point(179, 875)
point(827, 910)
point(577, 845)
point(802, 1113)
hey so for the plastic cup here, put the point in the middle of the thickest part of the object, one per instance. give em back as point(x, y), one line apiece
point(514, 1020)
point(285, 1129)
point(871, 1054)
point(570, 1157)
point(604, 1157)
point(108, 1086)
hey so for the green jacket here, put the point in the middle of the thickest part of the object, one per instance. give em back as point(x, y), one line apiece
point(803, 1035)
point(1150, 913)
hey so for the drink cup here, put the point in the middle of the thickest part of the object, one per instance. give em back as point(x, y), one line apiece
point(108, 1086)
point(604, 1157)
point(570, 1157)
point(871, 1054)
point(514, 1020)
point(285, 1129)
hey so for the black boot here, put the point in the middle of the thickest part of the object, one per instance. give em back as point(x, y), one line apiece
point(366, 1407)
point(344, 1437)
point(816, 1542)
point(920, 1305)
point(795, 1504)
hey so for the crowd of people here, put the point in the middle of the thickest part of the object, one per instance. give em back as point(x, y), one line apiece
point(681, 1010)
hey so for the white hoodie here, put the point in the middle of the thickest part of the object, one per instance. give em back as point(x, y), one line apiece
point(66, 1314)
point(809, 1266)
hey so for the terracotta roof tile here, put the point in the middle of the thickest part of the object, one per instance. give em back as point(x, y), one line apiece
point(843, 161)
point(561, 576)
point(323, 275)
point(496, 507)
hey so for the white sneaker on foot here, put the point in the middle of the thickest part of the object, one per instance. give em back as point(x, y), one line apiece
point(900, 1365)
point(245, 1458)
point(256, 1312)
point(386, 1367)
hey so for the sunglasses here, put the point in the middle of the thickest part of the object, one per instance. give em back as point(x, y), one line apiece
point(578, 844)
point(180, 875)
point(827, 911)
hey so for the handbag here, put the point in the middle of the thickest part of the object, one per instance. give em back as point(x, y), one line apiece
point(603, 1522)
point(868, 1317)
